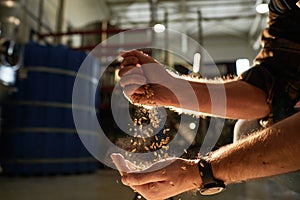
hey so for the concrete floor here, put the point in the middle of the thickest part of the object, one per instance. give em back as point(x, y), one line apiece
point(97, 186)
point(105, 185)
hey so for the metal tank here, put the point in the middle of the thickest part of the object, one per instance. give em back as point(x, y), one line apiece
point(9, 51)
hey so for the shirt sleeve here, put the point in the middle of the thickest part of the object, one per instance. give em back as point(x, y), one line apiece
point(260, 77)
point(282, 6)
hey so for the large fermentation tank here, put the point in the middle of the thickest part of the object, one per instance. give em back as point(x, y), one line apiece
point(9, 24)
point(39, 135)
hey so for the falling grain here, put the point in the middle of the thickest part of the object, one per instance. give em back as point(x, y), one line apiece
point(183, 168)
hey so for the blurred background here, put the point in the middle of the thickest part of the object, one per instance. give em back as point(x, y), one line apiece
point(43, 43)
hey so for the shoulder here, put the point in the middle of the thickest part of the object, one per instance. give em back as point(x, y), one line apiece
point(283, 6)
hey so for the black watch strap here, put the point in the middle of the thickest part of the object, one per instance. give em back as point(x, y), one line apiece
point(210, 185)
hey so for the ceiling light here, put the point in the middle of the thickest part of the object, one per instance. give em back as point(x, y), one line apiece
point(8, 3)
point(13, 20)
point(159, 28)
point(262, 8)
point(196, 63)
point(242, 65)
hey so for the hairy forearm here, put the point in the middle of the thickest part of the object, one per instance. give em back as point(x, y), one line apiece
point(230, 99)
point(270, 152)
point(235, 99)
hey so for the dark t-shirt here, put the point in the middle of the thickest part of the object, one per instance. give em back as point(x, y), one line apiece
point(277, 67)
point(284, 18)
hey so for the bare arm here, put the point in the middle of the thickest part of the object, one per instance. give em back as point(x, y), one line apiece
point(240, 99)
point(270, 152)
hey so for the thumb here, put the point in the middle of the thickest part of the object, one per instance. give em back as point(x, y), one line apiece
point(141, 56)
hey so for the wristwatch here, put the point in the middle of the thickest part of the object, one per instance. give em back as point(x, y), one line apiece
point(210, 185)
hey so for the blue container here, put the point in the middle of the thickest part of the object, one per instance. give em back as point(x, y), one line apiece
point(39, 136)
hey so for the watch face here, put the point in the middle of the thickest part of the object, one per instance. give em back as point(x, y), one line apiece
point(210, 191)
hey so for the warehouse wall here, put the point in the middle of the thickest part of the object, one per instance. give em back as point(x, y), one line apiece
point(221, 48)
point(79, 13)
point(29, 17)
point(229, 48)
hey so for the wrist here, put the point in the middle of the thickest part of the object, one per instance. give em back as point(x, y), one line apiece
point(195, 179)
point(183, 95)
point(210, 184)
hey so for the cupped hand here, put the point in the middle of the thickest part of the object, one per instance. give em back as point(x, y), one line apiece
point(178, 176)
point(145, 81)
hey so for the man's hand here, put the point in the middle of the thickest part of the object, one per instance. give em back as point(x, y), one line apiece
point(145, 81)
point(156, 183)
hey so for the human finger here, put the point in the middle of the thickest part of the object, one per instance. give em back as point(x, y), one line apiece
point(129, 60)
point(133, 79)
point(142, 57)
point(124, 179)
point(130, 69)
point(133, 89)
point(153, 191)
point(145, 178)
